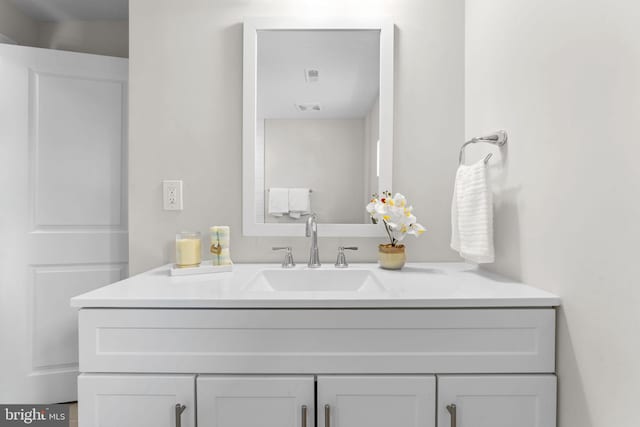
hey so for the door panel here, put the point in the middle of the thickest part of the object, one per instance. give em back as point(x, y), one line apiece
point(238, 401)
point(63, 132)
point(77, 135)
point(135, 400)
point(377, 401)
point(498, 401)
point(55, 330)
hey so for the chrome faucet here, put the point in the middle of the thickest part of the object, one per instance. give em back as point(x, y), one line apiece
point(312, 231)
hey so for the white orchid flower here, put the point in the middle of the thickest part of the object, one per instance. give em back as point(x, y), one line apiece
point(396, 216)
point(399, 200)
point(381, 209)
point(410, 219)
point(416, 229)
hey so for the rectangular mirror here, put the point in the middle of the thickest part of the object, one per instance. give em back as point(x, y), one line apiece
point(317, 124)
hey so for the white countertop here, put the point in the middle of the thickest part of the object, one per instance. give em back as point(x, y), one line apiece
point(418, 285)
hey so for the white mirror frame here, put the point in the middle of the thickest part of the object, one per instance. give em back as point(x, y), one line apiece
point(251, 27)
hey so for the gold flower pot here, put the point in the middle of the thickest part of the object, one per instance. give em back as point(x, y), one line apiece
point(391, 257)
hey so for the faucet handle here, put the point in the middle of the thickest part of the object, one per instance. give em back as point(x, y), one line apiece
point(341, 261)
point(288, 256)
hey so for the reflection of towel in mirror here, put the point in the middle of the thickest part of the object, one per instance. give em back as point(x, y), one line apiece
point(472, 214)
point(278, 201)
point(299, 202)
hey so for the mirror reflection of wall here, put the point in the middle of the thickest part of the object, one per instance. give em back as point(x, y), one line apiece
point(317, 122)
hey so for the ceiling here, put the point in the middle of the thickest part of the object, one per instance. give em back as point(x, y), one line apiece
point(65, 10)
point(348, 63)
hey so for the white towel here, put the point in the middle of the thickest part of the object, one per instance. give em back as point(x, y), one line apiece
point(278, 201)
point(299, 202)
point(472, 214)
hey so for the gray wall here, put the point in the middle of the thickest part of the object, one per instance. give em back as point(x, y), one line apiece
point(16, 25)
point(97, 37)
point(563, 77)
point(323, 155)
point(186, 120)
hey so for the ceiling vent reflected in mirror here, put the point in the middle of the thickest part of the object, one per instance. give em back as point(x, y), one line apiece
point(311, 75)
point(339, 70)
point(308, 107)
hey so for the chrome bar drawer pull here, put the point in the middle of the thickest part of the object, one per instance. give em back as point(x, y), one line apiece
point(453, 412)
point(304, 416)
point(179, 410)
point(327, 416)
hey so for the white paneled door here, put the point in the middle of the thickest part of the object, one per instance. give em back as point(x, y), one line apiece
point(63, 224)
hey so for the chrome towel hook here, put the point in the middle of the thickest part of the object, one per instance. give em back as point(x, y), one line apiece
point(498, 138)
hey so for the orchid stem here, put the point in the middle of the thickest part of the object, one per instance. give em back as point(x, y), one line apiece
point(386, 227)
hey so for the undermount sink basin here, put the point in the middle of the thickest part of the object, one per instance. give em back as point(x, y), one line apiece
point(315, 281)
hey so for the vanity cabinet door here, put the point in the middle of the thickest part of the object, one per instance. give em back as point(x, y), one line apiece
point(269, 401)
point(136, 400)
point(376, 401)
point(497, 401)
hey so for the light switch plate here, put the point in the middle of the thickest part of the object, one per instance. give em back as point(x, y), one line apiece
point(172, 195)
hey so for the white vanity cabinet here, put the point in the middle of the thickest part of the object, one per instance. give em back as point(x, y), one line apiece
point(268, 401)
point(376, 401)
point(496, 400)
point(449, 338)
point(362, 368)
point(108, 400)
point(289, 401)
point(116, 400)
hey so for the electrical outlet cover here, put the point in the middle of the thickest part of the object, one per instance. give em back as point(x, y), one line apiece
point(172, 195)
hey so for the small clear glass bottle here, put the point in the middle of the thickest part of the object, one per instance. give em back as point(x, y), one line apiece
point(188, 249)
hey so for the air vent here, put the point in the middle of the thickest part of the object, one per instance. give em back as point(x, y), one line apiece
point(308, 107)
point(311, 75)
